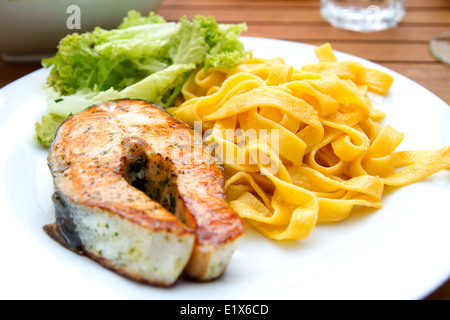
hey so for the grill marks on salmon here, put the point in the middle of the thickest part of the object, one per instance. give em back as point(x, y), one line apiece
point(135, 192)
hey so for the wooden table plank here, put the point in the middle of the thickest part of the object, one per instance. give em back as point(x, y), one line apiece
point(384, 52)
point(10, 72)
point(442, 293)
point(288, 3)
point(244, 13)
point(432, 76)
point(323, 32)
point(242, 3)
point(302, 15)
point(427, 17)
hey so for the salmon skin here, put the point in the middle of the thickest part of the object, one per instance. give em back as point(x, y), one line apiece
point(137, 194)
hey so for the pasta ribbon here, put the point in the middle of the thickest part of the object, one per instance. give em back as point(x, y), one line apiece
point(301, 146)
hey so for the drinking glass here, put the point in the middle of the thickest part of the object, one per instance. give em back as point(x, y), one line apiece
point(363, 15)
point(440, 47)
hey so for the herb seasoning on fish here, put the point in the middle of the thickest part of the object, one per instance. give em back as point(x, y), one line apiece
point(134, 201)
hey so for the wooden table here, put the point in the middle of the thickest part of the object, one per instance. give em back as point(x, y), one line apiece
point(403, 49)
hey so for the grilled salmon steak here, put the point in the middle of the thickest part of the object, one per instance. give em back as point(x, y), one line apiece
point(136, 192)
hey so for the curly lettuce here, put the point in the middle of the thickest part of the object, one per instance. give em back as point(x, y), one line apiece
point(145, 57)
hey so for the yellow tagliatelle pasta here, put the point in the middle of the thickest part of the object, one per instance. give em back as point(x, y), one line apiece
point(301, 147)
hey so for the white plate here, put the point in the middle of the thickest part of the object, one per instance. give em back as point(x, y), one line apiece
point(398, 252)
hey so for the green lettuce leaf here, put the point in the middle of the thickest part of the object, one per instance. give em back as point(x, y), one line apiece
point(145, 58)
point(134, 18)
point(46, 128)
point(151, 88)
